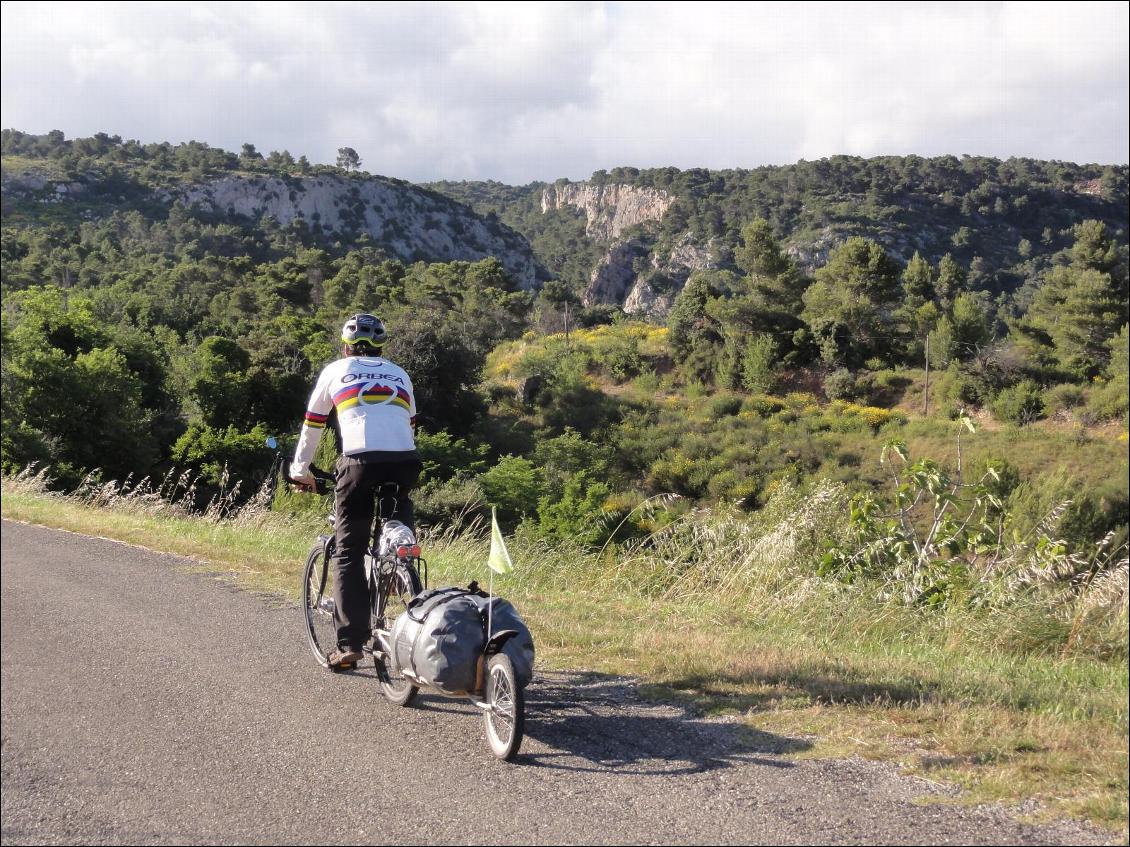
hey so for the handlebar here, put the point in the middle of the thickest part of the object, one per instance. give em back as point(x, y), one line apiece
point(324, 482)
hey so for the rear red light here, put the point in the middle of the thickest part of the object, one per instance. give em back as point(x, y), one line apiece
point(412, 552)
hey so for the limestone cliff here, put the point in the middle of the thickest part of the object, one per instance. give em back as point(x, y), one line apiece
point(409, 222)
point(654, 292)
point(609, 209)
point(614, 274)
point(643, 281)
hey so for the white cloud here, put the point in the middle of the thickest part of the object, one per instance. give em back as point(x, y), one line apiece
point(537, 91)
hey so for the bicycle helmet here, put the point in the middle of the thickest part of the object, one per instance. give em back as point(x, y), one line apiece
point(364, 329)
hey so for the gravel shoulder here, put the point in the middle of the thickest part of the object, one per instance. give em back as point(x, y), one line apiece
point(144, 702)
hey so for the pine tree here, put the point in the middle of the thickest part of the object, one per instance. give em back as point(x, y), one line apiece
point(347, 159)
point(768, 300)
point(1078, 308)
point(918, 282)
point(851, 305)
point(950, 281)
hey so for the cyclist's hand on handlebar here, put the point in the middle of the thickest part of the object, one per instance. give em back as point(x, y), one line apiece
point(306, 482)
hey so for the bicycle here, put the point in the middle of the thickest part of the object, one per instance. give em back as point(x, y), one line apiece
point(394, 577)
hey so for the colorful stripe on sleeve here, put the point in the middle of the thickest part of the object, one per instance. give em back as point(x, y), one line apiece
point(313, 419)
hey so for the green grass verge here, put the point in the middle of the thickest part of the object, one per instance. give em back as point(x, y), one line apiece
point(846, 675)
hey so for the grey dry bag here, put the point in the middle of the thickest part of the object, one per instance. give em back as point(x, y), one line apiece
point(442, 635)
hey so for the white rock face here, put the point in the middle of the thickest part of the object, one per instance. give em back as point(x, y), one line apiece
point(614, 274)
point(610, 209)
point(411, 223)
point(652, 293)
point(688, 256)
point(646, 299)
point(645, 302)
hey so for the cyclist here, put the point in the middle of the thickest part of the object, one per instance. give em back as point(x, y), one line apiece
point(375, 410)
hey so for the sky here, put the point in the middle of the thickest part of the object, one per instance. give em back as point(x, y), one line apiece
point(524, 91)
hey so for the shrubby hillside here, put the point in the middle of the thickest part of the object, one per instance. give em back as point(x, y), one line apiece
point(48, 179)
point(169, 306)
point(1002, 220)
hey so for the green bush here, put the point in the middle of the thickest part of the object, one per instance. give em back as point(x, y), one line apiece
point(618, 355)
point(647, 382)
point(514, 485)
point(762, 405)
point(1064, 397)
point(445, 456)
point(757, 364)
point(452, 502)
point(568, 454)
point(725, 405)
point(225, 457)
point(840, 385)
point(1069, 509)
point(577, 517)
point(1020, 404)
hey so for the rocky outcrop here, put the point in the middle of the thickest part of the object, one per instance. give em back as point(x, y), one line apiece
point(411, 223)
point(614, 274)
point(38, 184)
point(688, 256)
point(646, 301)
point(654, 292)
point(814, 252)
point(647, 288)
point(609, 209)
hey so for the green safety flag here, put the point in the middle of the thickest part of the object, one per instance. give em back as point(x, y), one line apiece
point(499, 560)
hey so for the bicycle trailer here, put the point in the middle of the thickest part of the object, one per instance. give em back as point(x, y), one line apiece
point(442, 639)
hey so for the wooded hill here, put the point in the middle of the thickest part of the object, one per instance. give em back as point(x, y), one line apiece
point(168, 305)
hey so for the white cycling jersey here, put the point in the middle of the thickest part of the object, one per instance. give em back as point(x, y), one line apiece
point(376, 409)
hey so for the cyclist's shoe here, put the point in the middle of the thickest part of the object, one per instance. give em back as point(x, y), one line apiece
point(344, 658)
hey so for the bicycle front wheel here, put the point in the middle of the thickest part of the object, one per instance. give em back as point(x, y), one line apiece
point(505, 716)
point(318, 603)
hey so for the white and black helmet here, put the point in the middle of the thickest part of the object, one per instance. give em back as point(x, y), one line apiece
point(364, 329)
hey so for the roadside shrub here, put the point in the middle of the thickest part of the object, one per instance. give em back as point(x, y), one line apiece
point(569, 453)
point(725, 405)
point(219, 453)
point(455, 502)
point(445, 456)
point(577, 517)
point(840, 385)
point(762, 405)
point(1061, 398)
point(1079, 514)
point(1021, 404)
point(514, 486)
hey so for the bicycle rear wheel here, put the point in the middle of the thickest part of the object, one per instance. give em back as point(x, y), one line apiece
point(505, 718)
point(318, 603)
point(404, 584)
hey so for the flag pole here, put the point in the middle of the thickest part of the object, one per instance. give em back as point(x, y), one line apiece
point(490, 603)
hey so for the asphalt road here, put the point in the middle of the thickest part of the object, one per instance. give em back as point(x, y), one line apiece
point(146, 704)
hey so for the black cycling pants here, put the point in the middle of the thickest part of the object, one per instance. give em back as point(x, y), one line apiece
point(356, 493)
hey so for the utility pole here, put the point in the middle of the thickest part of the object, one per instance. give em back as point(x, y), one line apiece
point(926, 390)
